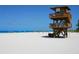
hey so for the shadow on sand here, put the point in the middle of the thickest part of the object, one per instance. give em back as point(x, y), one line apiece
point(46, 37)
point(52, 37)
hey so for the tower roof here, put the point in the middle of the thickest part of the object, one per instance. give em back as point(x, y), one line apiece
point(65, 7)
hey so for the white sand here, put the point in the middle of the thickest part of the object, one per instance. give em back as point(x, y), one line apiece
point(35, 42)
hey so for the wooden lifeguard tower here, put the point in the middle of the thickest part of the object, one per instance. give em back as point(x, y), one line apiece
point(61, 21)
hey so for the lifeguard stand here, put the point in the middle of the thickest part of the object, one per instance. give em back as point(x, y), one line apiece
point(61, 21)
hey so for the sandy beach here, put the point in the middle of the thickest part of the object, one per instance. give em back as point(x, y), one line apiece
point(38, 43)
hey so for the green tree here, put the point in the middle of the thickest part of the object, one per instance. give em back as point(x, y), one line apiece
point(78, 25)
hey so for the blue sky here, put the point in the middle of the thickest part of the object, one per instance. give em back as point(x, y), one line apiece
point(35, 18)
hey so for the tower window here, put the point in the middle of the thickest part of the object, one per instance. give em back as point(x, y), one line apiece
point(58, 10)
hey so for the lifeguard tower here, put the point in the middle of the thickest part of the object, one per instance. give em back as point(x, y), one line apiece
point(61, 21)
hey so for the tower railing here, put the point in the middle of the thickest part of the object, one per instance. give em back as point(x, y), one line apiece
point(59, 15)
